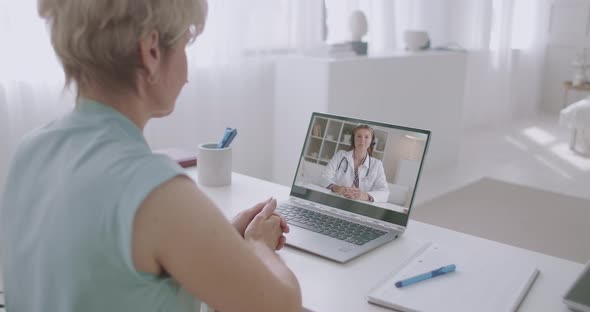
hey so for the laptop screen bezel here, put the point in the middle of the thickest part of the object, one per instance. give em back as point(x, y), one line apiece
point(360, 208)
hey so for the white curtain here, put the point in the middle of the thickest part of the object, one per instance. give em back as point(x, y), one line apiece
point(231, 70)
point(31, 80)
point(504, 40)
point(231, 77)
point(506, 64)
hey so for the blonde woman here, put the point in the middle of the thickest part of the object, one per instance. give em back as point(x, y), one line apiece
point(92, 220)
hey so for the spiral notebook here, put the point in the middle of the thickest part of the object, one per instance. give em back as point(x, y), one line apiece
point(478, 284)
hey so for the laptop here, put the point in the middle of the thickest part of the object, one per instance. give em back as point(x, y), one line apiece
point(577, 298)
point(340, 213)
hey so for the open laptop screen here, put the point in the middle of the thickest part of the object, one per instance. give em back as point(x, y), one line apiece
point(384, 184)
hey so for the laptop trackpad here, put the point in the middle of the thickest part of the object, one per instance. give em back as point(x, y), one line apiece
point(314, 242)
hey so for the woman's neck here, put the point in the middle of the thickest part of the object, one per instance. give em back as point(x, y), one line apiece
point(359, 155)
point(127, 104)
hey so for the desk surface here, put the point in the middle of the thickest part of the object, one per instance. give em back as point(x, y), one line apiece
point(330, 286)
point(384, 205)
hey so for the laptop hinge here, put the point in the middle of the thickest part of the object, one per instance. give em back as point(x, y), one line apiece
point(383, 224)
point(351, 215)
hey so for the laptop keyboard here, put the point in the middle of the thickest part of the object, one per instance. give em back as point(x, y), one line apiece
point(327, 225)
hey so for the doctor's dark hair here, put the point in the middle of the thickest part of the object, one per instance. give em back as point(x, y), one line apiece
point(372, 146)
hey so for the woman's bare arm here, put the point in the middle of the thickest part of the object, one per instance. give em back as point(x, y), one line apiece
point(178, 230)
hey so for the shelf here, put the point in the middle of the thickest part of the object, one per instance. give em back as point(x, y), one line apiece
point(381, 137)
point(585, 86)
point(319, 127)
point(310, 159)
point(334, 129)
point(313, 146)
point(343, 147)
point(328, 138)
point(328, 150)
point(347, 128)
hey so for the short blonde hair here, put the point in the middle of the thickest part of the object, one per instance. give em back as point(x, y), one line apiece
point(96, 40)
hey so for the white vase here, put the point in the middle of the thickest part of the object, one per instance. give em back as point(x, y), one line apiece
point(579, 74)
point(416, 39)
point(357, 21)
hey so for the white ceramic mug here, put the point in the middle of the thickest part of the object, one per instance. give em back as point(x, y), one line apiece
point(214, 165)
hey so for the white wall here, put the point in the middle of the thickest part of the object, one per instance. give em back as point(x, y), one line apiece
point(221, 97)
point(492, 97)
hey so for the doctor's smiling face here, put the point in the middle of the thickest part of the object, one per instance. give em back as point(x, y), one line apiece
point(363, 136)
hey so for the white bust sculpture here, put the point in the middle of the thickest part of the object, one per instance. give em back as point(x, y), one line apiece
point(357, 21)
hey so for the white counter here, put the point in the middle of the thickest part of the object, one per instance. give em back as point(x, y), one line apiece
point(423, 90)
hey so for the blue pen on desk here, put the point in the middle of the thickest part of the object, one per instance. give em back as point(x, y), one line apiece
point(428, 275)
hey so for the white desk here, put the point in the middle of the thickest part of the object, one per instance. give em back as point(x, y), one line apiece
point(384, 205)
point(329, 286)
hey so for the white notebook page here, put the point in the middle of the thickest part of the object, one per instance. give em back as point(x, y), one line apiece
point(478, 284)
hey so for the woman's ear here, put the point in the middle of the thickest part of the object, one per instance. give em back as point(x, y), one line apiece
point(150, 56)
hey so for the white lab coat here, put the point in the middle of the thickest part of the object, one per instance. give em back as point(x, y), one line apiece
point(374, 183)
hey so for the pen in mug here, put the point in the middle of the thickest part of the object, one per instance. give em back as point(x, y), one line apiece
point(428, 275)
point(224, 138)
point(231, 137)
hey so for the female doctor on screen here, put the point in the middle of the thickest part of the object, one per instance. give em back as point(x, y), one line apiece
point(355, 174)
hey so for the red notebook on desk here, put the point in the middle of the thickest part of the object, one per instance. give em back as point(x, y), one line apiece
point(182, 157)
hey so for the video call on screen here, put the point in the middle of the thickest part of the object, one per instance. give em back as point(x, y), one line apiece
point(400, 152)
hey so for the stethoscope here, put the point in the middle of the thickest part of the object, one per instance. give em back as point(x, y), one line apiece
point(346, 165)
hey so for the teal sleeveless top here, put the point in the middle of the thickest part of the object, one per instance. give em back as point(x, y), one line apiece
point(67, 213)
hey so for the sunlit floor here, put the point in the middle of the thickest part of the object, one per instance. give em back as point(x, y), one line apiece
point(533, 152)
